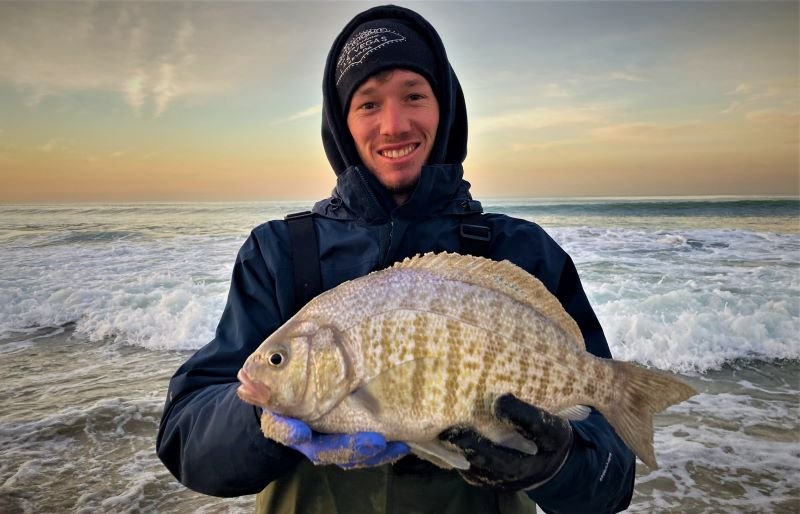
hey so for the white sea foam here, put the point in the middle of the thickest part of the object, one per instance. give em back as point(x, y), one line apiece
point(681, 300)
point(154, 294)
point(78, 426)
point(744, 449)
point(96, 457)
point(691, 300)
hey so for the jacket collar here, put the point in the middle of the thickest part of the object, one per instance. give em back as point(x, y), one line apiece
point(359, 196)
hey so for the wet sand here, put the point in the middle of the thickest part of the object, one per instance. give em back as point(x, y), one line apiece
point(78, 422)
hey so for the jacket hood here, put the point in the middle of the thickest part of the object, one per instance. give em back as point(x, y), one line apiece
point(450, 146)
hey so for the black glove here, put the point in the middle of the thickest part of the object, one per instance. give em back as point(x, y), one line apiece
point(505, 469)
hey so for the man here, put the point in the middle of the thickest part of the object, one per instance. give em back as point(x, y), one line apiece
point(394, 130)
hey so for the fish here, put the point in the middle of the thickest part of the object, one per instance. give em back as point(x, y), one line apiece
point(429, 344)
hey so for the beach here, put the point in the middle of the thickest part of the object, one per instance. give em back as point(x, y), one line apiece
point(99, 305)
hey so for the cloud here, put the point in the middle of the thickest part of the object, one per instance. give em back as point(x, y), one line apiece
point(49, 146)
point(149, 54)
point(166, 89)
point(773, 117)
point(305, 113)
point(548, 145)
point(773, 102)
point(732, 107)
point(777, 89)
point(553, 91)
point(639, 132)
point(773, 90)
point(134, 90)
point(742, 89)
point(628, 77)
point(56, 144)
point(538, 118)
point(170, 85)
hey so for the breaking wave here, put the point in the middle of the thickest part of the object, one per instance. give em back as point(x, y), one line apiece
point(681, 299)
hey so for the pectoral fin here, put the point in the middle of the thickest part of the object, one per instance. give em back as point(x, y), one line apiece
point(364, 398)
point(399, 386)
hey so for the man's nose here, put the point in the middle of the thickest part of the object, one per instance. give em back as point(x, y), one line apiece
point(394, 119)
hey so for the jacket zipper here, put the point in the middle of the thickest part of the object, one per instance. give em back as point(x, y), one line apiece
point(385, 256)
point(385, 240)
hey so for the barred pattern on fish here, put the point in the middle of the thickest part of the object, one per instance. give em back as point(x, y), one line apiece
point(430, 343)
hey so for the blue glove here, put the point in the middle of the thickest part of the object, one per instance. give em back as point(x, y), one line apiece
point(348, 451)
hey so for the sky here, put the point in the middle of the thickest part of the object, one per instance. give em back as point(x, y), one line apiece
point(219, 101)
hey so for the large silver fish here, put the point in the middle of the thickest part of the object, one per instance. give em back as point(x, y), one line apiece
point(429, 344)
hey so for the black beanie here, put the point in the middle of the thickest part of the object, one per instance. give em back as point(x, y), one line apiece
point(380, 45)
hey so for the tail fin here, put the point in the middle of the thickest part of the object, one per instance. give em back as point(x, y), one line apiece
point(644, 393)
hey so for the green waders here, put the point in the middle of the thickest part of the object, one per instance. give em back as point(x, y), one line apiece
point(383, 490)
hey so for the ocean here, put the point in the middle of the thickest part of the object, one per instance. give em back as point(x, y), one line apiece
point(99, 304)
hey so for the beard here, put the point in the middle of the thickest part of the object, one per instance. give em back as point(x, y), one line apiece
point(403, 189)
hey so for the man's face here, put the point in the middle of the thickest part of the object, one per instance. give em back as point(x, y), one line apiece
point(393, 119)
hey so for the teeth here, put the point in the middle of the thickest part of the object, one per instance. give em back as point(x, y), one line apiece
point(396, 154)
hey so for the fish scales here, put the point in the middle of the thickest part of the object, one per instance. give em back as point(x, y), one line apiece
point(431, 342)
point(427, 316)
point(443, 316)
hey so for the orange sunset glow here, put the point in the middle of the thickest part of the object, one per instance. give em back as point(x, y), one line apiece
point(103, 101)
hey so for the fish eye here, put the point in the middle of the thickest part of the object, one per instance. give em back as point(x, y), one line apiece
point(277, 358)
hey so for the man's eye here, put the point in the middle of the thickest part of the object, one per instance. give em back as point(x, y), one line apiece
point(416, 96)
point(367, 106)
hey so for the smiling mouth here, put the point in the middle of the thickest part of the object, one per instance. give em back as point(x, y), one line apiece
point(397, 153)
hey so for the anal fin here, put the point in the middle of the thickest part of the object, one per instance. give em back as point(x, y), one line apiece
point(575, 413)
point(506, 436)
point(435, 452)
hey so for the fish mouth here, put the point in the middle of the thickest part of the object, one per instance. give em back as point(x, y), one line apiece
point(250, 391)
point(256, 392)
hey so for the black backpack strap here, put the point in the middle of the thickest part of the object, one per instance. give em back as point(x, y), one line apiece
point(305, 257)
point(476, 235)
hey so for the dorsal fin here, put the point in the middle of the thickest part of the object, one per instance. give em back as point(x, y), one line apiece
point(501, 276)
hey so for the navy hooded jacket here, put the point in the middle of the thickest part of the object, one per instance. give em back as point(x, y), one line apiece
point(211, 441)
